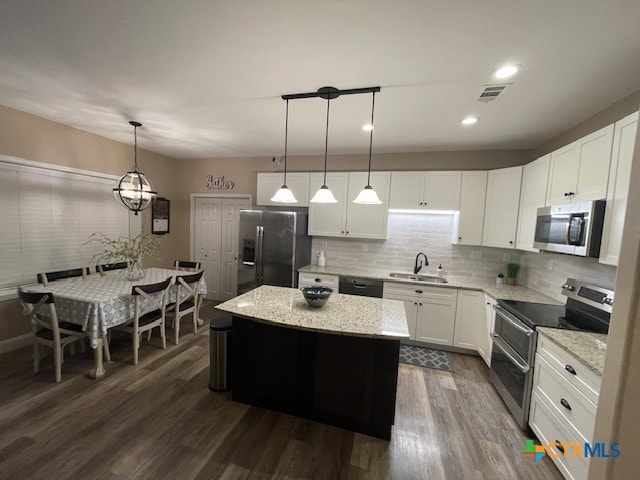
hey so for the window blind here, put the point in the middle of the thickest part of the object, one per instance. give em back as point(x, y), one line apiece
point(47, 216)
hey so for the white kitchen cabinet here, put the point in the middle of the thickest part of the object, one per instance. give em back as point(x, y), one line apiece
point(345, 218)
point(431, 311)
point(269, 183)
point(501, 207)
point(624, 137)
point(470, 319)
point(533, 194)
point(425, 190)
point(318, 280)
point(579, 171)
point(469, 221)
point(485, 339)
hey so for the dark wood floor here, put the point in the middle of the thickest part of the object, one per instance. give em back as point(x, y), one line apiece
point(159, 420)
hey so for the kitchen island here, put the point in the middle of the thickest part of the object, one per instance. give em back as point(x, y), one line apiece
point(337, 364)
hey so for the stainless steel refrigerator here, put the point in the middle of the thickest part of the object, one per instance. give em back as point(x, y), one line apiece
point(273, 246)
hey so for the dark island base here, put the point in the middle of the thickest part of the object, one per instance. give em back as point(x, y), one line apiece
point(349, 382)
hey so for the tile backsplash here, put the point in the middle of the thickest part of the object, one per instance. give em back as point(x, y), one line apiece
point(409, 234)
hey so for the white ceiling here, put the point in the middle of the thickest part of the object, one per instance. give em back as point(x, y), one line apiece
point(204, 77)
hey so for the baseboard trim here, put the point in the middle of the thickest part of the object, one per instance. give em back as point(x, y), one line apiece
point(16, 342)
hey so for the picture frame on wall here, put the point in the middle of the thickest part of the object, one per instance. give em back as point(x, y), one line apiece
point(160, 216)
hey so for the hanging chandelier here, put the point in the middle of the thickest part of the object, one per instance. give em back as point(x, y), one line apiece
point(324, 195)
point(133, 189)
point(368, 195)
point(284, 193)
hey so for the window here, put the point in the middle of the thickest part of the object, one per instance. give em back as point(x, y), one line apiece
point(47, 214)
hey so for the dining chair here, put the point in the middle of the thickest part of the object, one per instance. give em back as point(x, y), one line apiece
point(47, 330)
point(186, 264)
point(149, 313)
point(45, 278)
point(108, 267)
point(187, 302)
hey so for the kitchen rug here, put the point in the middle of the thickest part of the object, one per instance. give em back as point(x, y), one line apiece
point(425, 357)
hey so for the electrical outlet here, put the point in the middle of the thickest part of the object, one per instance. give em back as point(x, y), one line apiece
point(506, 257)
point(476, 254)
point(365, 247)
point(550, 265)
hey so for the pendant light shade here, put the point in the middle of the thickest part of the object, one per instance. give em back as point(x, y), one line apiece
point(133, 189)
point(284, 193)
point(324, 195)
point(368, 195)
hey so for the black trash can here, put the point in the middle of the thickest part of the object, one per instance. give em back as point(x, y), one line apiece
point(220, 353)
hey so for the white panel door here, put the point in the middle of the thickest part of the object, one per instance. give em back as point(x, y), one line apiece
point(328, 219)
point(269, 183)
point(207, 245)
point(436, 321)
point(470, 219)
point(407, 190)
point(367, 221)
point(533, 194)
point(470, 319)
point(618, 190)
point(563, 174)
point(501, 207)
point(595, 157)
point(230, 224)
point(442, 191)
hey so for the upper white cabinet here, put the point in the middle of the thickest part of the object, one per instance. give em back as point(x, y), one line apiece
point(469, 221)
point(345, 218)
point(579, 171)
point(425, 190)
point(269, 183)
point(618, 190)
point(501, 207)
point(533, 193)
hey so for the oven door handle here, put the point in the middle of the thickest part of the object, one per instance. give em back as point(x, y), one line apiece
point(515, 323)
point(498, 342)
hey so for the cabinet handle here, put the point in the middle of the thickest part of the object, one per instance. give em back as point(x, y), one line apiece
point(318, 279)
point(420, 203)
point(559, 446)
point(565, 404)
point(347, 232)
point(415, 303)
point(510, 242)
point(566, 194)
point(570, 369)
point(420, 303)
point(459, 238)
point(342, 232)
point(419, 291)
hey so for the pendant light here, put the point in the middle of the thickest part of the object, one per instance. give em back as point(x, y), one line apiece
point(284, 193)
point(368, 195)
point(324, 195)
point(133, 189)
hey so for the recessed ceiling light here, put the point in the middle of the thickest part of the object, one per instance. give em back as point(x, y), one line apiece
point(367, 127)
point(470, 120)
point(507, 71)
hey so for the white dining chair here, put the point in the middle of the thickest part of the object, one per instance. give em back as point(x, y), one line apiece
point(187, 302)
point(45, 278)
point(108, 267)
point(186, 265)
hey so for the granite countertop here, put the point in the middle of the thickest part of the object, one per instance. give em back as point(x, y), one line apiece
point(499, 292)
point(342, 314)
point(581, 345)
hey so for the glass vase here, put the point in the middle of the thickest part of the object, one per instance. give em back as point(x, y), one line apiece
point(135, 271)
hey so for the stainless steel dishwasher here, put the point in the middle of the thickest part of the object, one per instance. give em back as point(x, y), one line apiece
point(361, 286)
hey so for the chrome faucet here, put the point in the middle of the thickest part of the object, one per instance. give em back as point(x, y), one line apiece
point(416, 267)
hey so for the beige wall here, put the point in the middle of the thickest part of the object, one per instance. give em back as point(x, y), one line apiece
point(34, 138)
point(609, 115)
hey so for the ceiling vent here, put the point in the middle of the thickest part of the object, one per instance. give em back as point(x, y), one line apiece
point(492, 92)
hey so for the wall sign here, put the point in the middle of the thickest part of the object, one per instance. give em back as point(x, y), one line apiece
point(160, 216)
point(219, 183)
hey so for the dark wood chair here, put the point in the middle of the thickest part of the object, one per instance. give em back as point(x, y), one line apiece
point(186, 265)
point(149, 313)
point(108, 267)
point(45, 278)
point(47, 330)
point(187, 302)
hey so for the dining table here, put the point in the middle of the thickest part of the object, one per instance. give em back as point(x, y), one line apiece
point(101, 302)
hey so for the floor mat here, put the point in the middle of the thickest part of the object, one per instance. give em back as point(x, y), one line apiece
point(425, 357)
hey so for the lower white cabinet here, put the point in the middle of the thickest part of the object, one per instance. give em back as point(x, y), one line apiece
point(485, 340)
point(470, 319)
point(318, 280)
point(269, 183)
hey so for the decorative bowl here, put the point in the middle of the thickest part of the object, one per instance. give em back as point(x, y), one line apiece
point(316, 296)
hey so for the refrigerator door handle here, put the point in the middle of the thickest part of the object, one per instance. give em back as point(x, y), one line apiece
point(258, 260)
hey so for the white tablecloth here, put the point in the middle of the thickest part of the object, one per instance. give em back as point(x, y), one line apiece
point(101, 302)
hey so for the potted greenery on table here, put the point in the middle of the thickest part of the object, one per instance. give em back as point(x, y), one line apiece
point(512, 273)
point(133, 250)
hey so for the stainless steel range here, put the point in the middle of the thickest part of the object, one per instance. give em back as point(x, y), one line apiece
point(588, 308)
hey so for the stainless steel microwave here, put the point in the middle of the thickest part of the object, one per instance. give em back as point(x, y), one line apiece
point(575, 229)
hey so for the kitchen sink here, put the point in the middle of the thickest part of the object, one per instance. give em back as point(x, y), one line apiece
point(419, 278)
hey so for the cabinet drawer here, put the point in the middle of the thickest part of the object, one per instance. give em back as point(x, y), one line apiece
point(570, 405)
point(549, 430)
point(421, 291)
point(586, 381)
point(323, 280)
